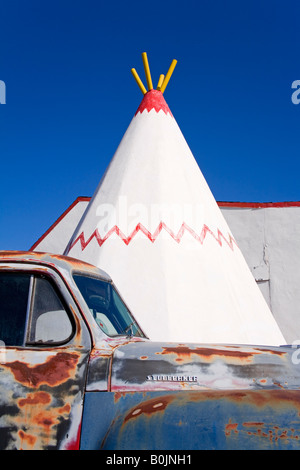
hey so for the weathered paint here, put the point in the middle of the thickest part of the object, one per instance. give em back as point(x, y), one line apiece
point(208, 419)
point(97, 392)
point(213, 366)
point(42, 388)
point(41, 398)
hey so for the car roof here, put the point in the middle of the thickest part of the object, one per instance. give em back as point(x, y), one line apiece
point(50, 259)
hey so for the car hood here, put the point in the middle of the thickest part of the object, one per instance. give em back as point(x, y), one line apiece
point(143, 366)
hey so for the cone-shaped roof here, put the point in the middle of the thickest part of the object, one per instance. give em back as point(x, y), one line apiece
point(155, 227)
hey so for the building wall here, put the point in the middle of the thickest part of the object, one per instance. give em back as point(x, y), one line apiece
point(268, 236)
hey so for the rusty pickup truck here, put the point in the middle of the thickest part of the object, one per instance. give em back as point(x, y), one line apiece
point(78, 372)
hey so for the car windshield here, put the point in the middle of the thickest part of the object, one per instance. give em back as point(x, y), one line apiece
point(107, 307)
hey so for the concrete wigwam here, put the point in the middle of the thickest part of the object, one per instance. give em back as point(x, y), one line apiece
point(155, 227)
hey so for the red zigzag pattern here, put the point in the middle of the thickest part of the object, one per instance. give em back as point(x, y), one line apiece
point(152, 237)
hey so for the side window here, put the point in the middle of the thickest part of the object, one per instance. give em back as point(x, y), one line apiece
point(49, 322)
point(31, 311)
point(14, 294)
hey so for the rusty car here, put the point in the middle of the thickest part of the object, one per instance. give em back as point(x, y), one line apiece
point(77, 371)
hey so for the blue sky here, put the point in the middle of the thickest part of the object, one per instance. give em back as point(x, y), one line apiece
point(70, 96)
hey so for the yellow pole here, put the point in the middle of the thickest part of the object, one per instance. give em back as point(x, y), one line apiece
point(168, 76)
point(160, 82)
point(139, 81)
point(147, 71)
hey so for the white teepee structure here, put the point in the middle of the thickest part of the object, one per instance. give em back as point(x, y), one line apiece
point(155, 227)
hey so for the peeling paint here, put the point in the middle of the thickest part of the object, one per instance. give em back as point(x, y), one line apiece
point(94, 391)
point(53, 371)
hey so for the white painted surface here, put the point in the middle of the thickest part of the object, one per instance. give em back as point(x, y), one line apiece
point(184, 291)
point(270, 240)
point(56, 238)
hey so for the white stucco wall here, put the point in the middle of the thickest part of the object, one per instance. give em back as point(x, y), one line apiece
point(269, 238)
point(56, 238)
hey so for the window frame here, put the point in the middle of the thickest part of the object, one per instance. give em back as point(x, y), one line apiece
point(113, 286)
point(29, 314)
point(34, 274)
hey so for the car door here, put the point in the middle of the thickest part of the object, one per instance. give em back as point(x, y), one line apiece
point(44, 351)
